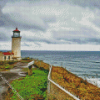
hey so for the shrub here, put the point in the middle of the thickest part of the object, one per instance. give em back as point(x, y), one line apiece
point(75, 84)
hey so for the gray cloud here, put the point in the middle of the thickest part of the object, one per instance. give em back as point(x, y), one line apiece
point(49, 19)
point(29, 17)
point(25, 44)
point(2, 3)
point(38, 44)
point(84, 3)
point(6, 21)
point(36, 39)
point(94, 40)
point(97, 22)
point(82, 36)
point(67, 41)
point(79, 41)
point(85, 41)
point(4, 37)
point(16, 20)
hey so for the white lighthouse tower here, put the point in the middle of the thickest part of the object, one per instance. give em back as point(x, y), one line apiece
point(16, 44)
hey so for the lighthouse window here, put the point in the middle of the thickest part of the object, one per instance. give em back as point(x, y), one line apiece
point(9, 57)
point(4, 57)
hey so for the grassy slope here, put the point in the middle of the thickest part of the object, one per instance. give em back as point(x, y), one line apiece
point(31, 87)
point(75, 85)
point(36, 82)
point(41, 65)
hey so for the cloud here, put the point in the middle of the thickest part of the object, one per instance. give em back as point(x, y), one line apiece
point(84, 36)
point(94, 40)
point(84, 3)
point(5, 45)
point(28, 16)
point(4, 36)
point(81, 36)
point(51, 23)
point(2, 3)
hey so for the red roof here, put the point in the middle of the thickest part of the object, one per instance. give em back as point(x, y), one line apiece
point(8, 53)
point(16, 30)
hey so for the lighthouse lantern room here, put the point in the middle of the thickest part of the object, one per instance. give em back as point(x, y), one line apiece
point(16, 33)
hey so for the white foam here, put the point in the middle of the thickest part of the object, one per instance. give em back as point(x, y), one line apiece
point(94, 81)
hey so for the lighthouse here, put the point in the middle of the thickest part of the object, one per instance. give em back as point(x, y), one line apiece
point(16, 44)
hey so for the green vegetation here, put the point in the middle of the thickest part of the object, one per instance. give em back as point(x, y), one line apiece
point(4, 65)
point(41, 65)
point(26, 60)
point(7, 62)
point(33, 86)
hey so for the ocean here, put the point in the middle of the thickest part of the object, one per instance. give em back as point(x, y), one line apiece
point(85, 64)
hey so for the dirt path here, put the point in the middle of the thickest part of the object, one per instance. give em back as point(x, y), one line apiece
point(10, 75)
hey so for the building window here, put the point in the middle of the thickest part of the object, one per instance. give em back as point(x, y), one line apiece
point(9, 57)
point(4, 57)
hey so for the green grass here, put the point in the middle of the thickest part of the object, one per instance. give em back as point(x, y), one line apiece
point(4, 65)
point(31, 86)
point(7, 62)
point(24, 61)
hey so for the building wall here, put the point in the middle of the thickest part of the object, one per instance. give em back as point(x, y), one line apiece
point(1, 56)
point(16, 47)
point(7, 59)
point(11, 57)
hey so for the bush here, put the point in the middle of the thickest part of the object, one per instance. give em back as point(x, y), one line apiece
point(41, 65)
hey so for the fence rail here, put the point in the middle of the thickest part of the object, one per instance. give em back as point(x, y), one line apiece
point(14, 90)
point(20, 97)
point(49, 80)
point(30, 63)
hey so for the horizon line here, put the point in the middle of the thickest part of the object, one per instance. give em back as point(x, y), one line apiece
point(54, 50)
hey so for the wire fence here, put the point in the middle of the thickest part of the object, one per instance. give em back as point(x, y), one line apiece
point(80, 70)
point(14, 90)
point(51, 81)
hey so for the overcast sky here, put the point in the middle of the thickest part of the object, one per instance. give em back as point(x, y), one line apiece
point(51, 24)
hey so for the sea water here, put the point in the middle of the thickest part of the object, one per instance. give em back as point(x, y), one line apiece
point(85, 64)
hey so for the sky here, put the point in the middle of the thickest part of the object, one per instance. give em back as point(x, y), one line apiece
point(68, 25)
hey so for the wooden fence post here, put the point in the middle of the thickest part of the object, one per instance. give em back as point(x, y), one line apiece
point(30, 70)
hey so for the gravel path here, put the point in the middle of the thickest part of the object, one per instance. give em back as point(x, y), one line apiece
point(10, 75)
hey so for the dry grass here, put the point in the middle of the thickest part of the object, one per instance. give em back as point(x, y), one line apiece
point(58, 94)
point(41, 64)
point(75, 85)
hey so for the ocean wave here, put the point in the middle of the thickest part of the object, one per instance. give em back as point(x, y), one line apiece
point(94, 81)
point(95, 61)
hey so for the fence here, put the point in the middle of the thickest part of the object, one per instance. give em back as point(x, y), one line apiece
point(31, 63)
point(20, 97)
point(57, 85)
